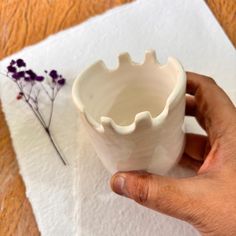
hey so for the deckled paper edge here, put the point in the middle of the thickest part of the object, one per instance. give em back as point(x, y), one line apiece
point(52, 38)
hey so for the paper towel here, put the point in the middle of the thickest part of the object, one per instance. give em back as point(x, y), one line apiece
point(76, 200)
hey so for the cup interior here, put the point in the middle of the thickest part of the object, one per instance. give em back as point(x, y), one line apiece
point(127, 91)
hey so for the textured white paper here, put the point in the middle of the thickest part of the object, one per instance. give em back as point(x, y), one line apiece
point(76, 200)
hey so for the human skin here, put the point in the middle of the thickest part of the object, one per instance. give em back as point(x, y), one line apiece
point(208, 199)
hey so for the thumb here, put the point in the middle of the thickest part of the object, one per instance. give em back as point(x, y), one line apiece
point(179, 198)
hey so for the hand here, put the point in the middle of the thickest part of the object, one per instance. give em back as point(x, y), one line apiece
point(207, 200)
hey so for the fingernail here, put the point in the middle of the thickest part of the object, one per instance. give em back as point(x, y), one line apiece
point(118, 185)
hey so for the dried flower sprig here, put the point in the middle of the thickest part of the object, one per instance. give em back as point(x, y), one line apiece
point(31, 86)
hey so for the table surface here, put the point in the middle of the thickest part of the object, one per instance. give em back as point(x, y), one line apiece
point(26, 22)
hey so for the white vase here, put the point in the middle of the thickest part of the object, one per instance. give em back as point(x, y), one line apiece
point(134, 114)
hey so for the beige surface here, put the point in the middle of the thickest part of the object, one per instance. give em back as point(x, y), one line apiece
point(25, 22)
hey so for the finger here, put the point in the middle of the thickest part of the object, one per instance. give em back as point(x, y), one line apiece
point(196, 146)
point(190, 163)
point(175, 197)
point(190, 109)
point(211, 102)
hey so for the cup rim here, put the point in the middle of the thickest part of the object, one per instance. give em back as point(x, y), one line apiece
point(141, 117)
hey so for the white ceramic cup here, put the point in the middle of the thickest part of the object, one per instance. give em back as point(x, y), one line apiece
point(135, 113)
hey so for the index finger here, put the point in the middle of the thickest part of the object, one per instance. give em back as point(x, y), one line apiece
point(214, 110)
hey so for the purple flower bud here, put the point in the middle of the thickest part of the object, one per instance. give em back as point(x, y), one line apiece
point(11, 69)
point(39, 78)
point(18, 97)
point(53, 74)
point(18, 75)
point(31, 74)
point(21, 73)
point(13, 62)
point(27, 78)
point(61, 81)
point(20, 63)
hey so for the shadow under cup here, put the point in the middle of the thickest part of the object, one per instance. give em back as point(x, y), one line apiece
point(134, 114)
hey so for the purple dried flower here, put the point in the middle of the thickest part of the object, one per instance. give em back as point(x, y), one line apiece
point(20, 63)
point(53, 74)
point(15, 76)
point(18, 97)
point(18, 75)
point(61, 81)
point(11, 69)
point(21, 73)
point(30, 93)
point(31, 74)
point(13, 62)
point(27, 78)
point(39, 78)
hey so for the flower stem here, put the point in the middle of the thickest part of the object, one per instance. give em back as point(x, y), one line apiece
point(54, 145)
point(28, 99)
point(40, 115)
point(51, 111)
point(29, 92)
point(37, 114)
point(42, 122)
point(45, 90)
point(40, 119)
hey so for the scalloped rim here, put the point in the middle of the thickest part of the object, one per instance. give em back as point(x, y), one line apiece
point(144, 118)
